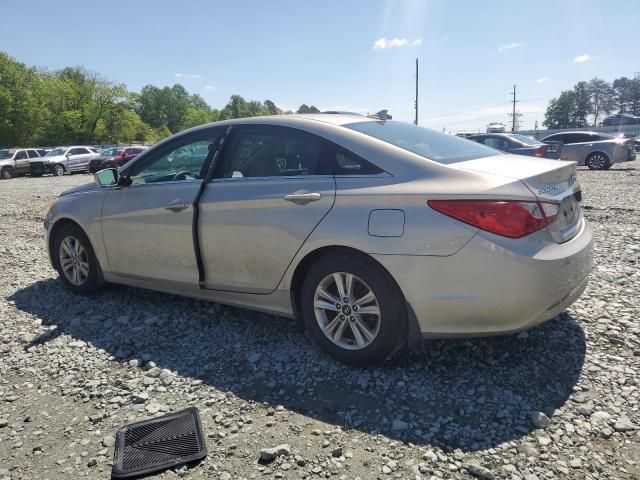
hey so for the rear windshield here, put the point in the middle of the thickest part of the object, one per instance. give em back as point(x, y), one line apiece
point(527, 140)
point(425, 142)
point(111, 152)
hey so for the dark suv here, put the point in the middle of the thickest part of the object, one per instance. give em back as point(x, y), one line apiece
point(114, 157)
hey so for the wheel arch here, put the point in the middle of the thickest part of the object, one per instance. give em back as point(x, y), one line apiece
point(55, 228)
point(414, 336)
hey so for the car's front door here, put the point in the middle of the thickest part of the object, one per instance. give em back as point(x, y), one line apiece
point(147, 226)
point(271, 188)
point(22, 161)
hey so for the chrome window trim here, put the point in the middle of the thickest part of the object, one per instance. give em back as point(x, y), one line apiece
point(294, 177)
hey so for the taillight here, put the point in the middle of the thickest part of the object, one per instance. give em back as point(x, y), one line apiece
point(540, 151)
point(509, 218)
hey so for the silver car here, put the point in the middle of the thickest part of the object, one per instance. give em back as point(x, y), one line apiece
point(61, 160)
point(376, 233)
point(598, 151)
point(15, 161)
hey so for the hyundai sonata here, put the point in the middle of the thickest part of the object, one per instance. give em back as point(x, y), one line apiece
point(376, 233)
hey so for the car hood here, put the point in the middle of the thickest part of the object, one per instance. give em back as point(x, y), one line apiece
point(56, 158)
point(87, 187)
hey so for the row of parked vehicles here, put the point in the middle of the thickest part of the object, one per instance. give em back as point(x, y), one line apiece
point(60, 160)
point(598, 151)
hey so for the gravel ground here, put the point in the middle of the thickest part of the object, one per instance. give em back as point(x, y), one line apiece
point(558, 401)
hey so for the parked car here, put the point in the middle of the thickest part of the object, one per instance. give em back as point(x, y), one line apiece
point(598, 151)
point(61, 160)
point(114, 157)
point(15, 161)
point(517, 144)
point(620, 119)
point(376, 233)
point(634, 138)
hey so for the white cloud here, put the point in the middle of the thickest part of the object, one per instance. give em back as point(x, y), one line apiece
point(542, 80)
point(210, 88)
point(510, 46)
point(582, 58)
point(187, 75)
point(383, 43)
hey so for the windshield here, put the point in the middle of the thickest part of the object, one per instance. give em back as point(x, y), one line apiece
point(5, 154)
point(110, 152)
point(527, 140)
point(425, 142)
point(55, 152)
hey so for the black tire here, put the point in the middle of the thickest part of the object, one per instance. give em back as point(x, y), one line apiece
point(598, 161)
point(392, 331)
point(58, 170)
point(93, 280)
point(6, 173)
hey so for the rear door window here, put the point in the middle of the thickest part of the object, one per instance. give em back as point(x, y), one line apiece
point(270, 151)
point(33, 154)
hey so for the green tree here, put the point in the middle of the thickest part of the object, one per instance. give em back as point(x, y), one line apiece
point(602, 98)
point(306, 109)
point(561, 112)
point(20, 104)
point(582, 105)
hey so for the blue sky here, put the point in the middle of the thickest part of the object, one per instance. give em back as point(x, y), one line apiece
point(340, 54)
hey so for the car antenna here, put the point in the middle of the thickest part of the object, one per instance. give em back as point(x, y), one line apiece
point(382, 115)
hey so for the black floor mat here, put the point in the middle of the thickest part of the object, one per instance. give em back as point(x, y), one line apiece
point(157, 444)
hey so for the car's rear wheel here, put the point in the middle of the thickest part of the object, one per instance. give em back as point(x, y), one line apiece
point(75, 260)
point(353, 309)
point(6, 173)
point(58, 170)
point(598, 161)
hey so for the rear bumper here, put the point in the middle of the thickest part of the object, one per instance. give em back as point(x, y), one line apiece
point(494, 286)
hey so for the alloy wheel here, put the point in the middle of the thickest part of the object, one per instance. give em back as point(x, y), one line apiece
point(347, 311)
point(74, 261)
point(59, 170)
point(7, 173)
point(597, 161)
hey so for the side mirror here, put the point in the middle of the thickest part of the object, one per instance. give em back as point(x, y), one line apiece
point(106, 178)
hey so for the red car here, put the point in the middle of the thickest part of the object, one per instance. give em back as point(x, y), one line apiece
point(114, 157)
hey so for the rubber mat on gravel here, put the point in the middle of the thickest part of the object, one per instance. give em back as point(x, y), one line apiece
point(157, 444)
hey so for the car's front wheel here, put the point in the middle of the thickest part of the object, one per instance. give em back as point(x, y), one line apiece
point(6, 173)
point(598, 161)
point(58, 170)
point(75, 260)
point(353, 309)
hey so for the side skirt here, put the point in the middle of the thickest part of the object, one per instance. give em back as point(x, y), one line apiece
point(276, 303)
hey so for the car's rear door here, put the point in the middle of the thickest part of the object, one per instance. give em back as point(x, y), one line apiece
point(272, 186)
point(147, 226)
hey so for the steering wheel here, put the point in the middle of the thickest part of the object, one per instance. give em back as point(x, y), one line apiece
point(182, 175)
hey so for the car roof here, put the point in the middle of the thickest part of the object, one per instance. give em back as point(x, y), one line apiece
point(572, 132)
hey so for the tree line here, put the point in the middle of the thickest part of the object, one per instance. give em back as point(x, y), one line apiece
point(76, 106)
point(589, 102)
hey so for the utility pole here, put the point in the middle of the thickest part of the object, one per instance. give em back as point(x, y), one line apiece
point(416, 120)
point(514, 116)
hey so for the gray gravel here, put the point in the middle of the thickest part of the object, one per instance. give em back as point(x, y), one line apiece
point(558, 401)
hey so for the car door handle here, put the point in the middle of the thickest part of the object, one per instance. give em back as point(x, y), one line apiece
point(176, 205)
point(302, 198)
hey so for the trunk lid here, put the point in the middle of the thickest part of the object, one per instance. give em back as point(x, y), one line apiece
point(549, 180)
